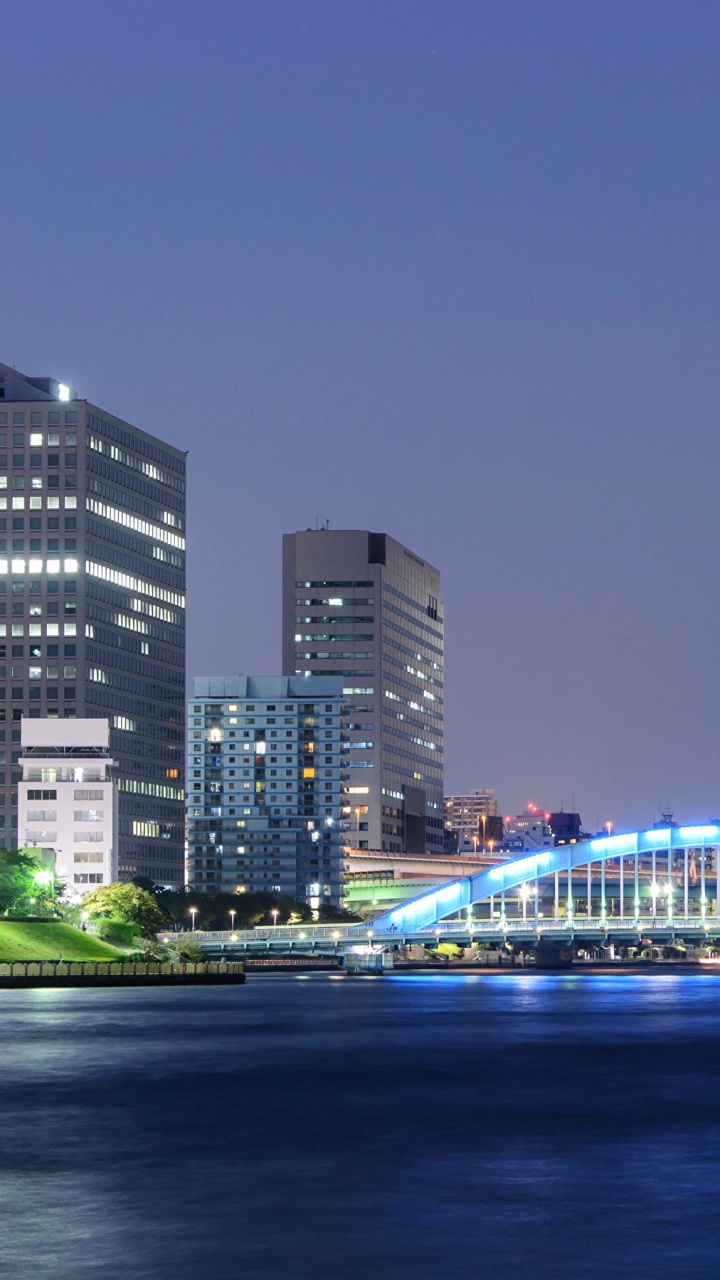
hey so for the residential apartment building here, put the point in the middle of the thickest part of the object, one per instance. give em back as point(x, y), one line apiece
point(362, 606)
point(465, 813)
point(265, 786)
point(67, 799)
point(92, 603)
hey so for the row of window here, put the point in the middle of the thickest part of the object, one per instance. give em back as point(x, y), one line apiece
point(136, 443)
point(135, 464)
point(149, 566)
point(35, 692)
point(130, 481)
point(36, 418)
point(35, 503)
point(79, 815)
point(20, 565)
point(38, 459)
point(36, 629)
point(40, 482)
point(157, 514)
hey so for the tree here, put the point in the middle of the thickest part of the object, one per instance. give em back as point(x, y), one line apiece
point(212, 910)
point(126, 902)
point(17, 881)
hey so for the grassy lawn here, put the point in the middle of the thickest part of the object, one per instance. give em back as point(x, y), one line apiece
point(20, 940)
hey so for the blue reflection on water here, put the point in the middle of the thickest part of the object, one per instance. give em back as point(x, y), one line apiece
point(413, 1126)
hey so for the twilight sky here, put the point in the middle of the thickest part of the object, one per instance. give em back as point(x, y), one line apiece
point(447, 269)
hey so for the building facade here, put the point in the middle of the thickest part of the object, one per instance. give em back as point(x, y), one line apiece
point(67, 799)
point(92, 603)
point(466, 813)
point(265, 786)
point(528, 831)
point(362, 606)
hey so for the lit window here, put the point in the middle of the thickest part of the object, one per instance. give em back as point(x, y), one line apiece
point(308, 773)
point(71, 566)
point(53, 566)
point(35, 439)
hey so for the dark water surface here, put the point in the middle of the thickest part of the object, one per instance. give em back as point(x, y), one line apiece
point(325, 1127)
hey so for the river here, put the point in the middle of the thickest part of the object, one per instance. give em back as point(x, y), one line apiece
point(332, 1128)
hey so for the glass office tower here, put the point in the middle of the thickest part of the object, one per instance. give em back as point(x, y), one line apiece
point(92, 603)
point(363, 606)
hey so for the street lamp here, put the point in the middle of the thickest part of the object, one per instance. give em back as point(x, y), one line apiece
point(524, 894)
point(484, 822)
point(232, 920)
point(46, 877)
point(275, 913)
point(193, 913)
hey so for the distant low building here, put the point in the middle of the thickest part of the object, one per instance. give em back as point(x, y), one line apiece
point(472, 822)
point(528, 831)
point(67, 799)
point(565, 827)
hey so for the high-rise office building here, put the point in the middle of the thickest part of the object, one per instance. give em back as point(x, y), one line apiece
point(362, 606)
point(265, 786)
point(92, 603)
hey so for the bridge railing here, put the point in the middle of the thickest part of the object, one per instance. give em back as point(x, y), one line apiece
point(364, 935)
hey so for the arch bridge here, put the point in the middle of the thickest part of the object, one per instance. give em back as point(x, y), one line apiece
point(664, 876)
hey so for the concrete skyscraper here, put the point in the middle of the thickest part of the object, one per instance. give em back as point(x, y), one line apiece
point(92, 603)
point(361, 605)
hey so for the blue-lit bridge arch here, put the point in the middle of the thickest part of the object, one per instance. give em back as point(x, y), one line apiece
point(669, 872)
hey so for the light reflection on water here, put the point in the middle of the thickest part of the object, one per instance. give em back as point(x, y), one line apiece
point(415, 1126)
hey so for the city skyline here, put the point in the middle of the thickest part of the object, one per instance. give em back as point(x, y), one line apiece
point(453, 280)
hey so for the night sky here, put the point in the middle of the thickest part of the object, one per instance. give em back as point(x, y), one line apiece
point(447, 270)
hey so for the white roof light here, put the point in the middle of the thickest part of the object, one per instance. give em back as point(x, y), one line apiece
point(63, 391)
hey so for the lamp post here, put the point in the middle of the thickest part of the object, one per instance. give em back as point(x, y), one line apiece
point(193, 913)
point(275, 913)
point(46, 877)
point(483, 817)
point(232, 915)
point(524, 894)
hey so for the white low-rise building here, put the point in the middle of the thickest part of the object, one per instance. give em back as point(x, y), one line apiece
point(67, 799)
